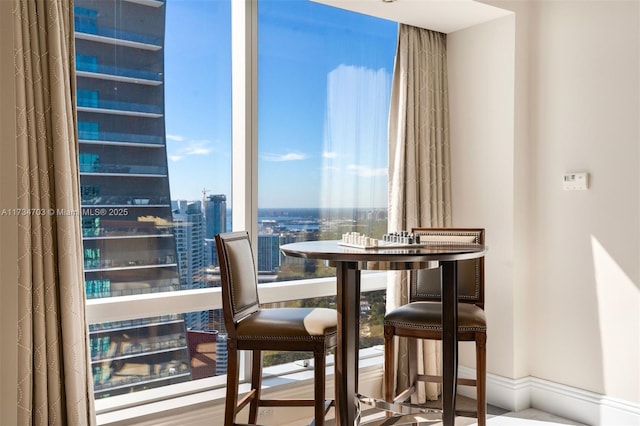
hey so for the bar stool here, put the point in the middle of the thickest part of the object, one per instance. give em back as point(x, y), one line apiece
point(421, 317)
point(255, 329)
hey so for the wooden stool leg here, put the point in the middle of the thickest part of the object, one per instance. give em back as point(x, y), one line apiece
point(389, 347)
point(233, 371)
point(412, 356)
point(256, 385)
point(389, 367)
point(481, 376)
point(319, 358)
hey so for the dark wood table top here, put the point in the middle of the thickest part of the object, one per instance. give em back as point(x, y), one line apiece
point(383, 258)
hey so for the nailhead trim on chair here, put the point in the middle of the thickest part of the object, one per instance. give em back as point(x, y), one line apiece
point(287, 338)
point(413, 326)
point(477, 264)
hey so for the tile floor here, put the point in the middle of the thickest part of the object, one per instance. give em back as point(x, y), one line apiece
point(496, 417)
point(528, 417)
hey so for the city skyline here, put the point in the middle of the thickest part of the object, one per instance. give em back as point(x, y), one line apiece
point(338, 139)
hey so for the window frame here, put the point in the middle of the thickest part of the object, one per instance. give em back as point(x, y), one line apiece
point(244, 122)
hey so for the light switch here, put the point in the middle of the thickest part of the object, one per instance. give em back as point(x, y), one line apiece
point(578, 181)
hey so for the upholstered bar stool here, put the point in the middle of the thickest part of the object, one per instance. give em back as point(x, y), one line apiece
point(421, 318)
point(252, 328)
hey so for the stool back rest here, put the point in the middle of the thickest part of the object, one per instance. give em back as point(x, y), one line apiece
point(238, 276)
point(425, 284)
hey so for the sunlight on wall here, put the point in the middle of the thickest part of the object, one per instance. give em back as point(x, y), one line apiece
point(619, 319)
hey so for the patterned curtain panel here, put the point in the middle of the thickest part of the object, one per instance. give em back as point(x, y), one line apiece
point(419, 162)
point(54, 386)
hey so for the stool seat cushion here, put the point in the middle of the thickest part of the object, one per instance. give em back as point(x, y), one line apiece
point(427, 316)
point(288, 324)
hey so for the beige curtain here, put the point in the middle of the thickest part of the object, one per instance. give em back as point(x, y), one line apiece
point(419, 182)
point(54, 382)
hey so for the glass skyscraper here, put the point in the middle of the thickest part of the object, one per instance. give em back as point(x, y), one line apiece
point(215, 212)
point(189, 234)
point(128, 239)
point(268, 253)
point(215, 215)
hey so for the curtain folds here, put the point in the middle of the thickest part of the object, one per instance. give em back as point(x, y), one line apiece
point(419, 165)
point(54, 381)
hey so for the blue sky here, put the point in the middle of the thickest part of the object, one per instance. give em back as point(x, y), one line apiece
point(324, 82)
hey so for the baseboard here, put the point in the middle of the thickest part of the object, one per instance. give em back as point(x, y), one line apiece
point(508, 394)
point(571, 403)
point(582, 406)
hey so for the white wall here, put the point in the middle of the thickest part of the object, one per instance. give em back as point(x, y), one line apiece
point(584, 103)
point(481, 93)
point(563, 270)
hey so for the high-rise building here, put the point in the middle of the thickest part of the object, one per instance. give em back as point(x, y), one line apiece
point(268, 252)
point(209, 251)
point(222, 355)
point(129, 246)
point(215, 215)
point(188, 230)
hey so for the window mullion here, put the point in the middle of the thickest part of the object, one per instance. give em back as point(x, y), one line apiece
point(244, 126)
point(244, 95)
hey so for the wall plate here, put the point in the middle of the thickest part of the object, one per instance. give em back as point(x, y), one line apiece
point(578, 181)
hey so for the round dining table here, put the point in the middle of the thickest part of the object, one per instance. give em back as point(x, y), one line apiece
point(349, 261)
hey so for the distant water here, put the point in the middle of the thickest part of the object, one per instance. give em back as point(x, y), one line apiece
point(291, 219)
point(304, 218)
point(289, 214)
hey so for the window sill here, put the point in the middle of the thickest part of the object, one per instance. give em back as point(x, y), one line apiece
point(193, 402)
point(158, 403)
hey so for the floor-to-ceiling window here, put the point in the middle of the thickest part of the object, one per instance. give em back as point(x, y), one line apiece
point(154, 97)
point(198, 131)
point(324, 82)
point(154, 113)
point(128, 242)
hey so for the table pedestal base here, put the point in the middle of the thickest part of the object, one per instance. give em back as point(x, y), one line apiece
point(395, 413)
